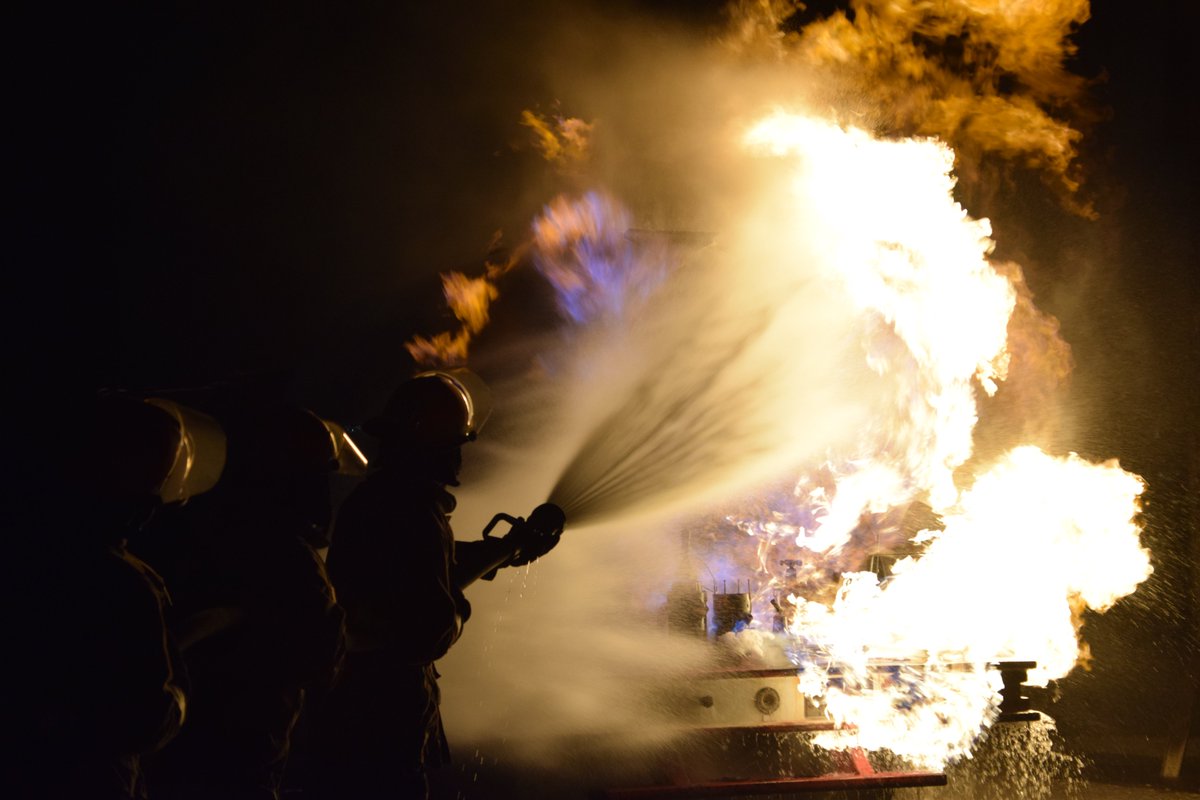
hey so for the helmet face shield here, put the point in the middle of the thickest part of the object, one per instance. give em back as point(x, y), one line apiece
point(475, 396)
point(349, 456)
point(440, 408)
point(200, 456)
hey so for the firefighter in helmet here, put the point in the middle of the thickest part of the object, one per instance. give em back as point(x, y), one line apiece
point(400, 576)
point(95, 682)
point(254, 611)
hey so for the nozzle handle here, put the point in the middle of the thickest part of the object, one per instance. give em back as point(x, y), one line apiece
point(501, 517)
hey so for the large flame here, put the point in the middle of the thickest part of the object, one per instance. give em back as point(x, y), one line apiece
point(1022, 550)
point(1011, 555)
point(1062, 528)
point(1033, 543)
point(916, 268)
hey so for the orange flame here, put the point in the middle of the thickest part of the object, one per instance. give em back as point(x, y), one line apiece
point(563, 141)
point(470, 300)
point(985, 76)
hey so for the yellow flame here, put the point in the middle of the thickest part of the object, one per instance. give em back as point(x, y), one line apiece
point(916, 267)
point(1024, 547)
point(469, 299)
point(563, 141)
point(1032, 543)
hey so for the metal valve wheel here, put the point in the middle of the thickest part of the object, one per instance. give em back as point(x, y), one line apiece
point(767, 700)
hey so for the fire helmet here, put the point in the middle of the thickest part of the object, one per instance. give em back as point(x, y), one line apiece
point(275, 442)
point(347, 455)
point(440, 408)
point(141, 449)
point(199, 457)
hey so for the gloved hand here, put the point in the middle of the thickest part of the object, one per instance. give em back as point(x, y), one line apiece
point(537, 535)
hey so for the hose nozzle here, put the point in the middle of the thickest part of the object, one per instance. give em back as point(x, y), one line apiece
point(532, 537)
point(548, 519)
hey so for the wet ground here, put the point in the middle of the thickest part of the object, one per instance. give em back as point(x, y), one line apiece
point(1097, 791)
point(1086, 790)
point(484, 786)
point(1016, 762)
point(1091, 792)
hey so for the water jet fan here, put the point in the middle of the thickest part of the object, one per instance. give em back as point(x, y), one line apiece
point(708, 369)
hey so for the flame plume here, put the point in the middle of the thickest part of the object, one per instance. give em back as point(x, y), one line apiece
point(469, 299)
point(986, 77)
point(915, 267)
point(957, 603)
point(1062, 526)
point(565, 142)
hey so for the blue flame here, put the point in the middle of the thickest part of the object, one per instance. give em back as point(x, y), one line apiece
point(583, 250)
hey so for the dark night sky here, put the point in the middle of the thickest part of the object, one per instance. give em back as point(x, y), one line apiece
point(206, 190)
point(238, 191)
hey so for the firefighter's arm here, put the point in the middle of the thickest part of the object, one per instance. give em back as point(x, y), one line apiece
point(480, 559)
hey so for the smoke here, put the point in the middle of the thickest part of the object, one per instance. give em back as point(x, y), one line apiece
point(718, 372)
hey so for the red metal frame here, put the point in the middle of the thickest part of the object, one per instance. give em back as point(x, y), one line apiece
point(854, 773)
